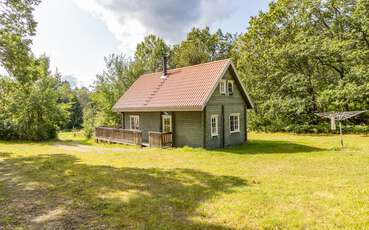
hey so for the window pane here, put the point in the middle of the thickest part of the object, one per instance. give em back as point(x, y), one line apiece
point(213, 125)
point(167, 124)
point(234, 123)
point(230, 87)
point(222, 87)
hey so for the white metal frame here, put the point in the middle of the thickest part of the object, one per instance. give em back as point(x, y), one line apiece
point(238, 122)
point(130, 121)
point(170, 121)
point(216, 133)
point(222, 87)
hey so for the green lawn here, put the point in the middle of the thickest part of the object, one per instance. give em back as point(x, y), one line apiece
point(276, 181)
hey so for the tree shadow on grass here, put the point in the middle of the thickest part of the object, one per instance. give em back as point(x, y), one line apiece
point(270, 147)
point(58, 192)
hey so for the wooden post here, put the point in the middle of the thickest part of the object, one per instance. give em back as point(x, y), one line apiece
point(245, 120)
point(161, 121)
point(204, 119)
point(341, 137)
point(173, 128)
point(123, 121)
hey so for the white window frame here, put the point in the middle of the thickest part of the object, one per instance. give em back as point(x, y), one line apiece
point(170, 121)
point(134, 117)
point(223, 87)
point(232, 83)
point(238, 122)
point(215, 133)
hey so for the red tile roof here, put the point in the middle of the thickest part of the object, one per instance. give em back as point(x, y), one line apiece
point(184, 89)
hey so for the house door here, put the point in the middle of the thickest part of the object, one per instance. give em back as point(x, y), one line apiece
point(166, 123)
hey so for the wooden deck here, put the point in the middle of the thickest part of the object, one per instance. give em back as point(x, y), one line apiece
point(133, 137)
point(117, 135)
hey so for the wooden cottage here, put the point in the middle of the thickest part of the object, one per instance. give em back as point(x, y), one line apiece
point(202, 105)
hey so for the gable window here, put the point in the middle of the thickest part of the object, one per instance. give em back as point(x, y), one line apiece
point(222, 87)
point(167, 123)
point(234, 122)
point(230, 87)
point(214, 125)
point(134, 122)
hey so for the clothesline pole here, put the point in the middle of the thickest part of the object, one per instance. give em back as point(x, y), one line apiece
point(340, 116)
point(341, 137)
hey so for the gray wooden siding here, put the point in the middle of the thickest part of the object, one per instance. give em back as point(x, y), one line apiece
point(232, 104)
point(216, 141)
point(234, 138)
point(149, 121)
point(188, 129)
point(236, 98)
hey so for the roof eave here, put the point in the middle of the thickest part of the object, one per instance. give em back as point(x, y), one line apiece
point(158, 109)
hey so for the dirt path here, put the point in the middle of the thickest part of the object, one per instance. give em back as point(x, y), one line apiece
point(94, 149)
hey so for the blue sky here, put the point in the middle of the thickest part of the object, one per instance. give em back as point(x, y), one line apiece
point(77, 34)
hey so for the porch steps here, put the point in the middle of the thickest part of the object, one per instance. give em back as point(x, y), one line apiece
point(145, 144)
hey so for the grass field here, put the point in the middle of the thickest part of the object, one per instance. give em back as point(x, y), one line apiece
point(276, 181)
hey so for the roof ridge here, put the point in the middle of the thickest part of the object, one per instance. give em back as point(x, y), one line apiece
point(184, 67)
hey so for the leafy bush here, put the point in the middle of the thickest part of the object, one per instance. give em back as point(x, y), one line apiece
point(30, 111)
point(89, 114)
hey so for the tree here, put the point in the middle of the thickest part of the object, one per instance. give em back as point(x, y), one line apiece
point(202, 46)
point(17, 26)
point(299, 51)
point(149, 54)
point(89, 114)
point(120, 73)
point(29, 107)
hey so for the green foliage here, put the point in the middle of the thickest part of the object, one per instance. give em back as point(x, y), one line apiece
point(89, 114)
point(70, 96)
point(16, 28)
point(33, 101)
point(30, 111)
point(302, 57)
point(149, 54)
point(202, 46)
point(120, 73)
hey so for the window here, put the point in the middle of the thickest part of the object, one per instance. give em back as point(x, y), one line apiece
point(222, 87)
point(167, 123)
point(234, 122)
point(230, 87)
point(214, 125)
point(134, 122)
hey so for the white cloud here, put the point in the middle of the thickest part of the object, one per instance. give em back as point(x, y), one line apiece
point(130, 21)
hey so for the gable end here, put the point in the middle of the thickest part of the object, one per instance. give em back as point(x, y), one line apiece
point(230, 66)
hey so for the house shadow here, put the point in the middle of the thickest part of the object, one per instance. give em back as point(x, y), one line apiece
point(269, 147)
point(59, 192)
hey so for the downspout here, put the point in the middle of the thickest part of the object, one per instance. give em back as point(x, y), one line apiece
point(245, 125)
point(223, 126)
point(173, 129)
point(204, 132)
point(123, 120)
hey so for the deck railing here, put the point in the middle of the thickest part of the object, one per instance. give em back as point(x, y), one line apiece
point(158, 139)
point(117, 135)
